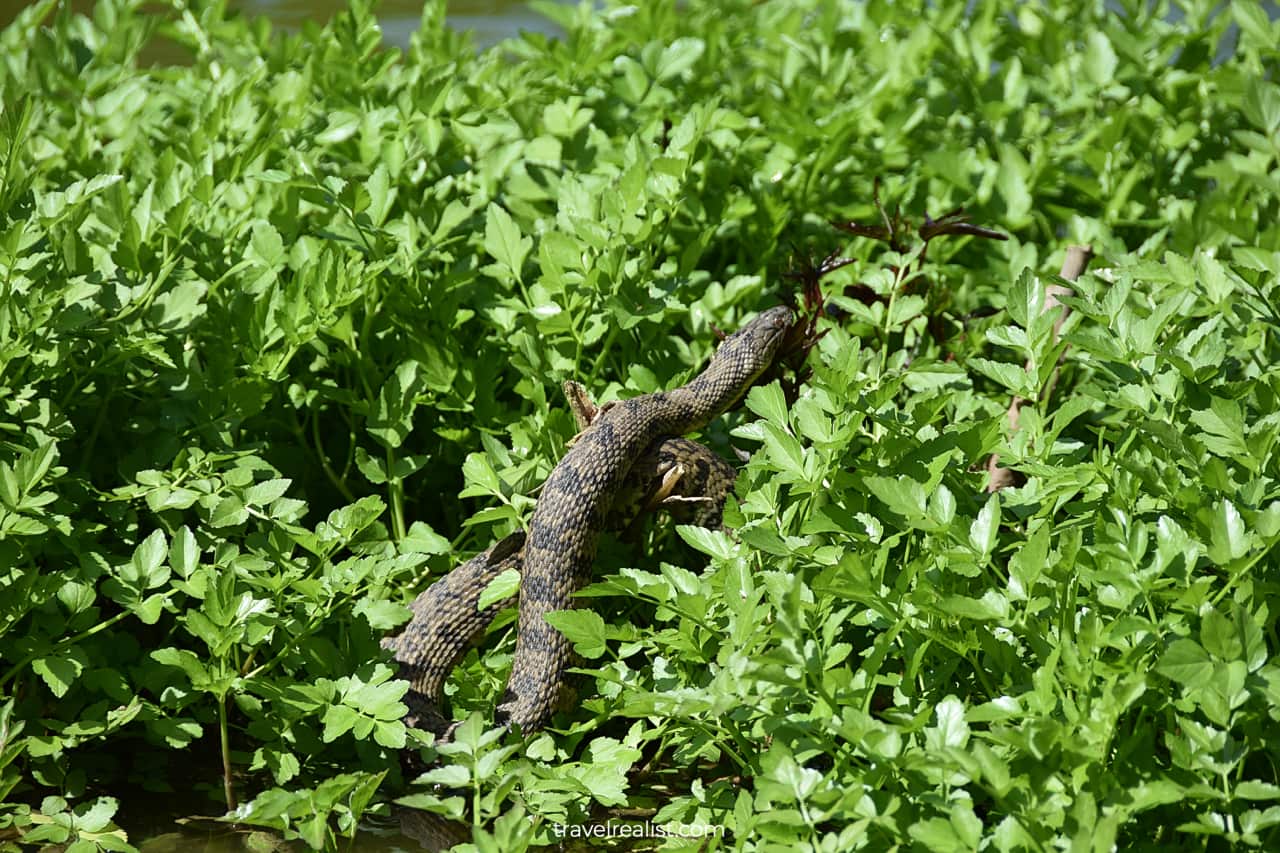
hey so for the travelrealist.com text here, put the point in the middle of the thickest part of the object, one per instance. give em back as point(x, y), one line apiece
point(637, 830)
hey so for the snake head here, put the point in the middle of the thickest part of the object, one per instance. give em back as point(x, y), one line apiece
point(748, 352)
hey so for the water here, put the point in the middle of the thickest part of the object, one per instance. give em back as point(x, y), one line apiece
point(490, 20)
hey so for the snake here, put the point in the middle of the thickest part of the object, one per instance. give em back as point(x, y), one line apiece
point(629, 447)
point(686, 479)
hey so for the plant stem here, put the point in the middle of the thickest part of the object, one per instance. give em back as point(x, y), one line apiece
point(337, 481)
point(69, 641)
point(899, 277)
point(227, 788)
point(604, 349)
point(395, 492)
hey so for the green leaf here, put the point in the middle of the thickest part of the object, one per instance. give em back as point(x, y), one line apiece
point(1218, 636)
point(1027, 565)
point(393, 416)
point(1252, 789)
point(984, 531)
point(1262, 105)
point(1012, 182)
point(928, 376)
point(261, 494)
point(1253, 21)
point(421, 539)
point(901, 494)
point(1012, 377)
point(230, 512)
point(1026, 299)
point(679, 56)
point(342, 126)
point(382, 615)
point(149, 609)
point(1223, 428)
point(992, 606)
point(184, 553)
point(1185, 662)
point(1229, 540)
point(584, 628)
point(785, 451)
point(504, 585)
point(713, 543)
point(504, 242)
point(449, 775)
point(951, 730)
point(267, 247)
point(372, 469)
point(148, 560)
point(61, 671)
point(351, 519)
point(177, 733)
point(942, 506)
point(480, 476)
point(1100, 59)
point(767, 402)
point(381, 194)
point(187, 662)
point(338, 720)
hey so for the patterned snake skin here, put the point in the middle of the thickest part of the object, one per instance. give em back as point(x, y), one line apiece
point(446, 617)
point(628, 449)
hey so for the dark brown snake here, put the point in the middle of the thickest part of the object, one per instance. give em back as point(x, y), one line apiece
point(630, 448)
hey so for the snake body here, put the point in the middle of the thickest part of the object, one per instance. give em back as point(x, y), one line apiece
point(577, 502)
point(447, 619)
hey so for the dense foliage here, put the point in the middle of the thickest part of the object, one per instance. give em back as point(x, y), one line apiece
point(282, 332)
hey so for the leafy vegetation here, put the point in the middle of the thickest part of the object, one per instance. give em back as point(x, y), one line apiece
point(282, 332)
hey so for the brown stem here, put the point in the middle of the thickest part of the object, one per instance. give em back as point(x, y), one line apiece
point(1073, 266)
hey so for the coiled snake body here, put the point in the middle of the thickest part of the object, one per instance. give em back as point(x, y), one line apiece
point(578, 500)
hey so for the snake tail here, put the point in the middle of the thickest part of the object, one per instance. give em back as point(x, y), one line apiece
point(446, 622)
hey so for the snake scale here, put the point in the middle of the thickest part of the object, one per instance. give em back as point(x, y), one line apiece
point(447, 618)
point(627, 446)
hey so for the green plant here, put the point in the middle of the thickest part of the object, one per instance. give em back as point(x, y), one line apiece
point(282, 333)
